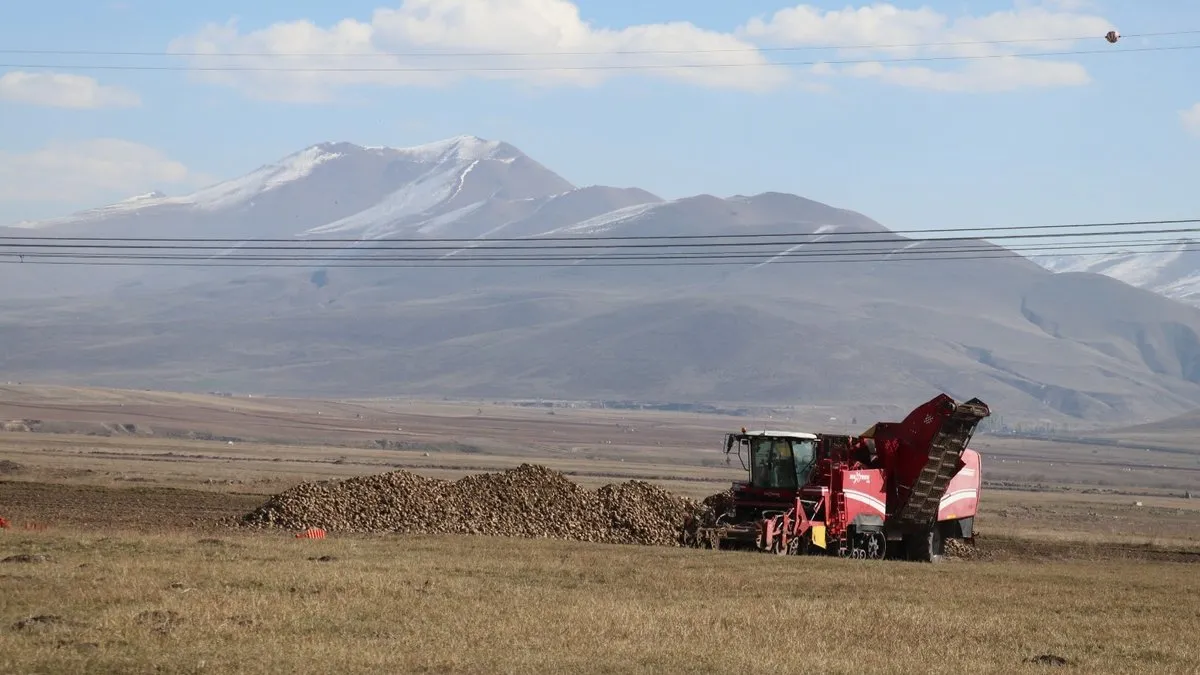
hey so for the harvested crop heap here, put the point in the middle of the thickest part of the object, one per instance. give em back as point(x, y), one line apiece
point(529, 501)
point(962, 550)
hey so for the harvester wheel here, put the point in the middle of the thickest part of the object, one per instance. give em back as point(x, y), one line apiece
point(873, 545)
point(797, 545)
point(925, 546)
point(778, 547)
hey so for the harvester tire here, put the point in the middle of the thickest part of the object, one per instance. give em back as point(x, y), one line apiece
point(798, 545)
point(926, 546)
point(874, 545)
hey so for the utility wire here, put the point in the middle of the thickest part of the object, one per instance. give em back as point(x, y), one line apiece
point(471, 265)
point(642, 66)
point(773, 257)
point(468, 253)
point(623, 52)
point(484, 244)
point(635, 237)
point(735, 257)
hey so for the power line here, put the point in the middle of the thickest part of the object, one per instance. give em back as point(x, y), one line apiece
point(642, 66)
point(622, 52)
point(472, 265)
point(636, 237)
point(743, 257)
point(365, 254)
point(512, 245)
point(675, 259)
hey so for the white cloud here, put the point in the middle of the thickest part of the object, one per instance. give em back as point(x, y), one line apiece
point(90, 169)
point(1005, 74)
point(62, 90)
point(472, 30)
point(992, 67)
point(1063, 5)
point(1191, 120)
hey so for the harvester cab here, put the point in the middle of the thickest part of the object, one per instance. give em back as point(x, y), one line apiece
point(897, 490)
point(778, 462)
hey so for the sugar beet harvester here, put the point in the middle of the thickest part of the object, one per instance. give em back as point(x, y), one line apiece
point(899, 490)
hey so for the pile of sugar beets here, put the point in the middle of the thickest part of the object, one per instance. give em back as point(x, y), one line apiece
point(528, 501)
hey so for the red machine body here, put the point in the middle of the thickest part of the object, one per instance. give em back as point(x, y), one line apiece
point(897, 490)
point(962, 497)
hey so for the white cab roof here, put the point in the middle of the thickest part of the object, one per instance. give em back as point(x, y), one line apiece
point(782, 434)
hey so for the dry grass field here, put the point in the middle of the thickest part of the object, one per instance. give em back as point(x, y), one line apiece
point(116, 602)
point(1091, 569)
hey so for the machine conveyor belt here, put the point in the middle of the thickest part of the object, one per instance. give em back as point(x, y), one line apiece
point(945, 451)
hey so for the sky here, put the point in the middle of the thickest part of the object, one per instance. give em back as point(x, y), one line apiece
point(770, 100)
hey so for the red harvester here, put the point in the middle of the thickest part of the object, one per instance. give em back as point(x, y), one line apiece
point(899, 490)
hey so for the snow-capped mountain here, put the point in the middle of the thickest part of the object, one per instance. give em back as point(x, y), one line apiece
point(458, 188)
point(462, 187)
point(341, 188)
point(1172, 269)
point(850, 329)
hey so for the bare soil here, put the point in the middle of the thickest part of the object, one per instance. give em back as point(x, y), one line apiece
point(151, 509)
point(122, 542)
point(380, 430)
point(95, 508)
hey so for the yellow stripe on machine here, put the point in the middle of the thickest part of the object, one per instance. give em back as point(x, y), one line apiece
point(818, 535)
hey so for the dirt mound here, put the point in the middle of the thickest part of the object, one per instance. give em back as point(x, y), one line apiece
point(7, 467)
point(529, 501)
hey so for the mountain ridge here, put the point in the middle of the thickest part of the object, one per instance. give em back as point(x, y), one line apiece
point(806, 317)
point(1170, 268)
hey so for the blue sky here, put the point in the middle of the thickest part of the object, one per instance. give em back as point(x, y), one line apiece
point(935, 144)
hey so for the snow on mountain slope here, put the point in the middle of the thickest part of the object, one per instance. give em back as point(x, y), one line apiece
point(1172, 270)
point(458, 188)
point(602, 223)
point(241, 190)
point(461, 187)
point(337, 188)
point(223, 195)
point(760, 214)
point(461, 148)
point(822, 234)
point(146, 197)
point(453, 179)
point(437, 187)
point(1024, 339)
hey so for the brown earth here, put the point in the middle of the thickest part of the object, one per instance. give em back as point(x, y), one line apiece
point(129, 475)
point(165, 510)
point(488, 429)
point(134, 508)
